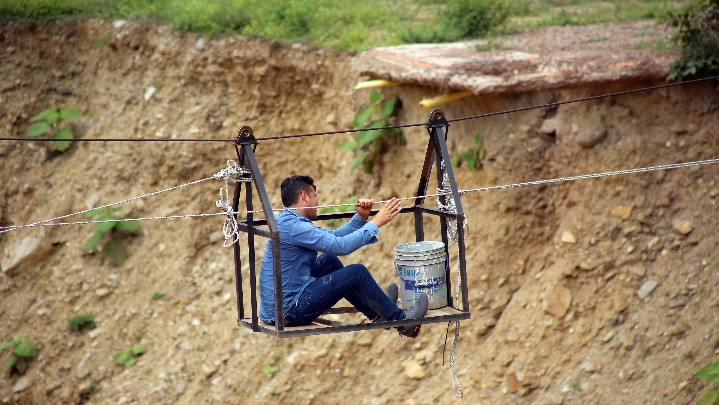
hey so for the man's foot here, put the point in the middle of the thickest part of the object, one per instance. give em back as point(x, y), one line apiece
point(392, 292)
point(416, 311)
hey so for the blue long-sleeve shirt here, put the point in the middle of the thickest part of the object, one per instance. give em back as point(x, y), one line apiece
point(300, 241)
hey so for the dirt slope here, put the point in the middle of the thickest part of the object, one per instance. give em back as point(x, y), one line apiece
point(607, 346)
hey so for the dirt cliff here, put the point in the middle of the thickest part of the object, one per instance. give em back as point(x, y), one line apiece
point(595, 291)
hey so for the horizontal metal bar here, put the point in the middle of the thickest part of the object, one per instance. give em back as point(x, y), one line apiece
point(347, 327)
point(242, 226)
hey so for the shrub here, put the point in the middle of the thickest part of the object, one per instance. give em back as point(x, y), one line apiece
point(22, 352)
point(461, 19)
point(127, 357)
point(114, 250)
point(368, 144)
point(698, 37)
point(80, 322)
point(50, 119)
point(711, 373)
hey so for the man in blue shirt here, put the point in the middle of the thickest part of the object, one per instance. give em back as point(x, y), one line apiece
point(310, 284)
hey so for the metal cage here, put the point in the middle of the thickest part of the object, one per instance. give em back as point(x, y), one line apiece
point(245, 146)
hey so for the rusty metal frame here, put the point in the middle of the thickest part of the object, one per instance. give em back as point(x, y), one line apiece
point(245, 145)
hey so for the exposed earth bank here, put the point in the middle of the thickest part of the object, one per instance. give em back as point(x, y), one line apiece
point(597, 291)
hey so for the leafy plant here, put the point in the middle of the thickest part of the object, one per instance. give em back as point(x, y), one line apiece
point(156, 296)
point(461, 19)
point(127, 357)
point(698, 36)
point(80, 322)
point(270, 370)
point(711, 373)
point(114, 250)
point(473, 156)
point(21, 353)
point(49, 119)
point(368, 144)
point(336, 223)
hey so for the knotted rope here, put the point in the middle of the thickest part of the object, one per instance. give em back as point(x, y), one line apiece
point(234, 172)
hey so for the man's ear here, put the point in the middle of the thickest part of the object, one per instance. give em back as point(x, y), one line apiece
point(304, 196)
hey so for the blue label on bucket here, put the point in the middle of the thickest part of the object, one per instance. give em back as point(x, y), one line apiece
point(405, 273)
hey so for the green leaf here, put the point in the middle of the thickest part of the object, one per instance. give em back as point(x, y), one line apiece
point(454, 161)
point(357, 160)
point(478, 139)
point(38, 128)
point(710, 397)
point(705, 374)
point(348, 146)
point(366, 137)
point(96, 212)
point(26, 350)
point(138, 349)
point(122, 357)
point(18, 339)
point(62, 134)
point(6, 346)
point(470, 165)
point(482, 153)
point(53, 118)
point(130, 362)
point(43, 115)
point(69, 113)
point(10, 362)
point(92, 242)
point(716, 380)
point(115, 209)
point(388, 107)
point(105, 226)
point(363, 115)
point(128, 226)
point(374, 97)
point(114, 252)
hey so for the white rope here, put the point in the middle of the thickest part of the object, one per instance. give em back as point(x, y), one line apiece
point(225, 174)
point(450, 205)
point(230, 228)
point(461, 192)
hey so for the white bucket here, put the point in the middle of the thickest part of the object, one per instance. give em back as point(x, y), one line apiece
point(421, 268)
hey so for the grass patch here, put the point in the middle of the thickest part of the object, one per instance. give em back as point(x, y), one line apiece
point(359, 26)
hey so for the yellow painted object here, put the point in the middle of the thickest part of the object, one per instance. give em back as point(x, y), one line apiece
point(373, 84)
point(437, 101)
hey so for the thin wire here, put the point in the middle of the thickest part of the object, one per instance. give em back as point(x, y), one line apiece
point(462, 192)
point(117, 140)
point(267, 138)
point(581, 99)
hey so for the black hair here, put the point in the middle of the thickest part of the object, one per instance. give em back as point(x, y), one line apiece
point(293, 186)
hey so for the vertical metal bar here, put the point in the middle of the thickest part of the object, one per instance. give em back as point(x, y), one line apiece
point(443, 153)
point(272, 224)
point(462, 264)
point(251, 244)
point(422, 190)
point(437, 135)
point(238, 260)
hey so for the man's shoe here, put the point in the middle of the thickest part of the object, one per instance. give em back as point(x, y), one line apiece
point(416, 311)
point(392, 292)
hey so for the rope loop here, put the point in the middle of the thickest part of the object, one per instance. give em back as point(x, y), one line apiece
point(233, 171)
point(230, 228)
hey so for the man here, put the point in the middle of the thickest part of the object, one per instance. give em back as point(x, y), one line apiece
point(310, 284)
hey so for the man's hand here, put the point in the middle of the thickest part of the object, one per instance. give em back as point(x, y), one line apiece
point(387, 213)
point(363, 206)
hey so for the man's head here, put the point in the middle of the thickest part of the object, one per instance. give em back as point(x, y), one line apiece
point(300, 191)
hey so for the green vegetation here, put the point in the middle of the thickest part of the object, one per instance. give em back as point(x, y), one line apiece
point(156, 296)
point(114, 250)
point(50, 119)
point(368, 145)
point(698, 37)
point(331, 23)
point(711, 373)
point(270, 370)
point(22, 352)
point(472, 156)
point(80, 322)
point(127, 357)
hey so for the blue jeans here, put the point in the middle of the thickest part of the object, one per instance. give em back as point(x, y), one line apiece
point(334, 282)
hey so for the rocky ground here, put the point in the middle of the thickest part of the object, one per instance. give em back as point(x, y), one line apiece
point(590, 292)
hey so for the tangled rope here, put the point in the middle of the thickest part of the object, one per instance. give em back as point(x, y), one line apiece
point(232, 172)
point(450, 205)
